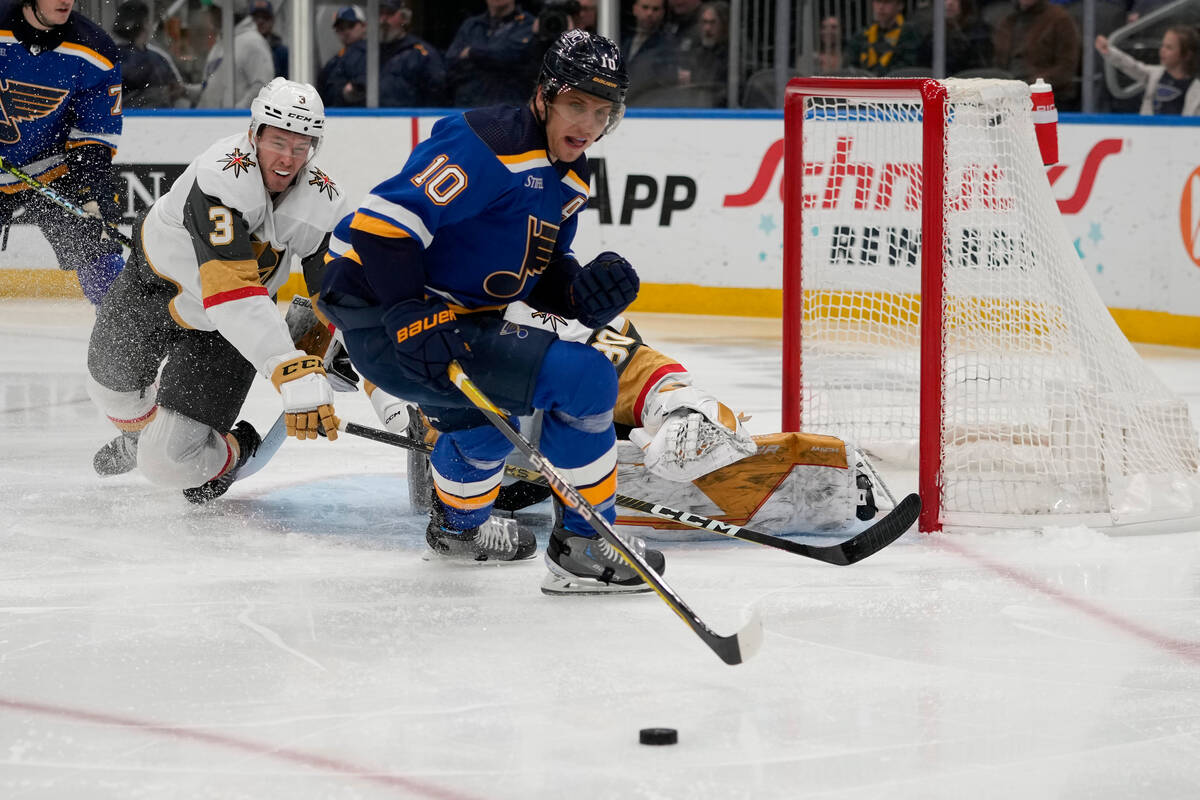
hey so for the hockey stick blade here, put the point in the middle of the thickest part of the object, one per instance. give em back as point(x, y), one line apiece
point(733, 649)
point(266, 450)
point(879, 535)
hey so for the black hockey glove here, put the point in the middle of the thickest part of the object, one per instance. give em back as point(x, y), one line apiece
point(426, 338)
point(602, 290)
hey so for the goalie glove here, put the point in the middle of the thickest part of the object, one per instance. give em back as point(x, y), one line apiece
point(307, 396)
point(687, 433)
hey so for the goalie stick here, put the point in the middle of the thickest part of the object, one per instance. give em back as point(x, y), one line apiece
point(54, 197)
point(882, 532)
point(732, 649)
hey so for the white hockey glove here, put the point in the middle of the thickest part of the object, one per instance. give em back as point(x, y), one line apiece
point(687, 433)
point(307, 396)
point(391, 410)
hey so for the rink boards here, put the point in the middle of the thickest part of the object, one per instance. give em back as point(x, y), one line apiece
point(694, 201)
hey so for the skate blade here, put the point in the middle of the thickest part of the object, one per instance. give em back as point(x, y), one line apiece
point(428, 554)
point(555, 585)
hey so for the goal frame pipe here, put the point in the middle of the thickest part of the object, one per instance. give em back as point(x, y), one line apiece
point(932, 96)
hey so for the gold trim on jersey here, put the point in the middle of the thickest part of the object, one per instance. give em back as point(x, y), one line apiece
point(378, 227)
point(86, 53)
point(218, 276)
point(632, 382)
point(573, 180)
point(171, 308)
point(521, 162)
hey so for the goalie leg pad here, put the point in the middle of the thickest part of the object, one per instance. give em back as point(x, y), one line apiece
point(795, 482)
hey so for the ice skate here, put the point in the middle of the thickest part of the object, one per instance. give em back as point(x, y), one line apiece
point(118, 456)
point(497, 539)
point(248, 441)
point(583, 565)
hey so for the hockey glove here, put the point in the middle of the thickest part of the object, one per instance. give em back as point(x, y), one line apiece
point(307, 396)
point(688, 433)
point(602, 290)
point(426, 339)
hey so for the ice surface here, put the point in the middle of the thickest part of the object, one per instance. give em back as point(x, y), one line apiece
point(288, 641)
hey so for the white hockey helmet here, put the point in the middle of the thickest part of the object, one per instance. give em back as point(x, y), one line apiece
point(290, 106)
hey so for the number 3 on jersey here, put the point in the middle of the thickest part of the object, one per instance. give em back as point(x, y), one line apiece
point(222, 220)
point(442, 181)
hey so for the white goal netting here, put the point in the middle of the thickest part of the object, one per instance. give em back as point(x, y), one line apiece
point(1047, 411)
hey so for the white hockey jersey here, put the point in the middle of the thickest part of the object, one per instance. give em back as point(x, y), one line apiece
point(228, 246)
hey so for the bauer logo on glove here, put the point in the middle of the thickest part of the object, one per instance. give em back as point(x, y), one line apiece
point(417, 327)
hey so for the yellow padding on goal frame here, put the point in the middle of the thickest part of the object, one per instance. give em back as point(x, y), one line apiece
point(1150, 327)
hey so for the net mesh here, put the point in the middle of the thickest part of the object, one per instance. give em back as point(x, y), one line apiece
point(1048, 410)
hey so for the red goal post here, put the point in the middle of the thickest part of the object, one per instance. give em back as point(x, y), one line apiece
point(935, 311)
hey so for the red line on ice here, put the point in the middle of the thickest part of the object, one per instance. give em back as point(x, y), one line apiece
point(1189, 651)
point(232, 743)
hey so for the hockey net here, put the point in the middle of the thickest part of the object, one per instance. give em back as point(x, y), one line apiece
point(989, 360)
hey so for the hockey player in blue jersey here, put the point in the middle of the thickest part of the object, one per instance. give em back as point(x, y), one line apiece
point(483, 214)
point(60, 122)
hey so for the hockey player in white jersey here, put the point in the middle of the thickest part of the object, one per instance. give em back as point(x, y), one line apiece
point(199, 294)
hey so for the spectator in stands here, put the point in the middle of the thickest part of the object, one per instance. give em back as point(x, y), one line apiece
point(708, 62)
point(650, 52)
point(148, 76)
point(253, 66)
point(264, 19)
point(683, 23)
point(1170, 86)
point(887, 43)
point(1039, 40)
point(489, 62)
point(968, 38)
point(414, 75)
point(343, 79)
point(586, 18)
point(395, 21)
point(829, 46)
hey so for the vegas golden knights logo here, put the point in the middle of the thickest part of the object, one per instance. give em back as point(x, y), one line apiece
point(539, 247)
point(24, 102)
point(268, 258)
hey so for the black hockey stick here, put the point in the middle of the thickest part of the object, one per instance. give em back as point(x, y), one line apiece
point(879, 535)
point(731, 649)
point(54, 197)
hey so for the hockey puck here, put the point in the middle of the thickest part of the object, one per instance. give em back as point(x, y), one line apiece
point(658, 736)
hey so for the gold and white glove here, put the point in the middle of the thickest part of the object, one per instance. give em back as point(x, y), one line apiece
point(687, 433)
point(307, 395)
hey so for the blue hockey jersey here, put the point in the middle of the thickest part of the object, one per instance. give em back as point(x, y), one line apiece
point(475, 217)
point(60, 99)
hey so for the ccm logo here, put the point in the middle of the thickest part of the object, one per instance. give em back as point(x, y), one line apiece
point(429, 323)
point(303, 365)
